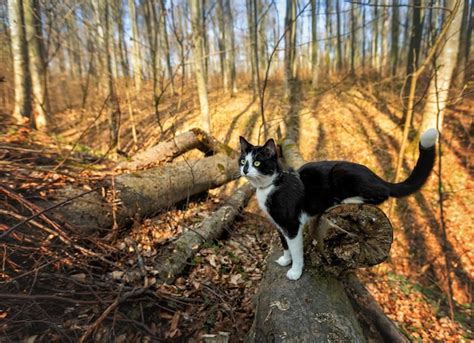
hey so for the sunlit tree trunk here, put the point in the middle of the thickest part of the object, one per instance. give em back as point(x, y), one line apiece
point(197, 37)
point(22, 106)
point(438, 91)
point(136, 56)
point(33, 29)
point(464, 45)
point(395, 33)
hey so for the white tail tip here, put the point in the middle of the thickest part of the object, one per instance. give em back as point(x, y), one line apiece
point(428, 138)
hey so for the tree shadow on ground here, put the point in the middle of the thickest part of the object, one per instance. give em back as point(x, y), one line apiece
point(408, 218)
point(236, 119)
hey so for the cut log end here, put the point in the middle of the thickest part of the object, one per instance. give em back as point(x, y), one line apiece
point(351, 236)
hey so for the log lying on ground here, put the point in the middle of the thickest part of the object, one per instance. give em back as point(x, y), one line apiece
point(371, 311)
point(178, 145)
point(352, 236)
point(144, 193)
point(315, 307)
point(173, 264)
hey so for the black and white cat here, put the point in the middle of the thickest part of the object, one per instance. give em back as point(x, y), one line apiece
point(291, 197)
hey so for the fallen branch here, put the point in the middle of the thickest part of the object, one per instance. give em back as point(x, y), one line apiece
point(178, 145)
point(211, 228)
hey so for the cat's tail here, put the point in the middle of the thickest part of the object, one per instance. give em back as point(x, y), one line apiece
point(422, 169)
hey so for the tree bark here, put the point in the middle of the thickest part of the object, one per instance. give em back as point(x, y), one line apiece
point(339, 42)
point(143, 193)
point(136, 58)
point(395, 33)
point(21, 80)
point(169, 150)
point(211, 228)
point(314, 45)
point(33, 29)
point(166, 45)
point(198, 48)
point(290, 45)
point(438, 91)
point(230, 36)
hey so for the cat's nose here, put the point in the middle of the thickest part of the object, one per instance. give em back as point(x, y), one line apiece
point(246, 168)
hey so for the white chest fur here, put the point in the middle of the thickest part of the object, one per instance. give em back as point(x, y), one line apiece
point(262, 196)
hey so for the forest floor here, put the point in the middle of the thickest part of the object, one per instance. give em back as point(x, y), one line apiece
point(341, 121)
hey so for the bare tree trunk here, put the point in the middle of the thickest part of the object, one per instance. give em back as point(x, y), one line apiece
point(136, 56)
point(33, 29)
point(21, 79)
point(464, 45)
point(329, 32)
point(252, 43)
point(198, 48)
point(375, 38)
point(414, 49)
point(166, 45)
point(290, 44)
point(438, 91)
point(395, 33)
point(353, 38)
point(221, 43)
point(314, 45)
point(230, 35)
point(102, 11)
point(339, 42)
point(122, 46)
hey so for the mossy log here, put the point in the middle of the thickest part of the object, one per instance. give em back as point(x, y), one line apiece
point(144, 193)
point(174, 262)
point(178, 145)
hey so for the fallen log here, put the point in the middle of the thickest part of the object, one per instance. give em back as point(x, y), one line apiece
point(143, 193)
point(371, 311)
point(178, 145)
point(315, 307)
point(173, 264)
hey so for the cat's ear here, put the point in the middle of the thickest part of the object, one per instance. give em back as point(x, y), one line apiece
point(270, 148)
point(244, 145)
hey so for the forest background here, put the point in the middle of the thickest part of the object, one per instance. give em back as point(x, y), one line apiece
point(87, 85)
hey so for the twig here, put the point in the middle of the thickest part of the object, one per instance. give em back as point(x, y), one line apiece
point(109, 309)
point(62, 203)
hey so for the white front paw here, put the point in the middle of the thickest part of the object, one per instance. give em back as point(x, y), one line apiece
point(284, 260)
point(294, 273)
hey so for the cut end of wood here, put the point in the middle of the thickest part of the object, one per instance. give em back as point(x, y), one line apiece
point(350, 236)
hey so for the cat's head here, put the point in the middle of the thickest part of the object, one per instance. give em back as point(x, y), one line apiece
point(259, 164)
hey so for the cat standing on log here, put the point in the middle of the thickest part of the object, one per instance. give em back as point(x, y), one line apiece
point(290, 197)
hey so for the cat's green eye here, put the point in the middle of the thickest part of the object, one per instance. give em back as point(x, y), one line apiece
point(256, 163)
point(242, 161)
